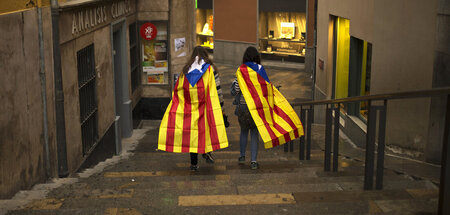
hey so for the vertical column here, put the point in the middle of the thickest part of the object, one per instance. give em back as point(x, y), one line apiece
point(337, 115)
point(380, 150)
point(444, 188)
point(370, 147)
point(308, 133)
point(302, 138)
point(328, 119)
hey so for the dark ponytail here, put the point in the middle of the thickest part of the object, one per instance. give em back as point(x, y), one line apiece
point(251, 55)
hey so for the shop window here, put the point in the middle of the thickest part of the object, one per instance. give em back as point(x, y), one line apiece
point(87, 97)
point(134, 59)
point(155, 54)
point(204, 28)
point(282, 35)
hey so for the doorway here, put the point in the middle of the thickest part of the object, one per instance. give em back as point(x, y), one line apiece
point(123, 106)
point(359, 75)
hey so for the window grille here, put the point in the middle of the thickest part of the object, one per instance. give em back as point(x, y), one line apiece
point(88, 99)
point(134, 59)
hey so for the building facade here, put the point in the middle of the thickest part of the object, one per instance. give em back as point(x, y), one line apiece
point(112, 56)
point(375, 47)
point(276, 28)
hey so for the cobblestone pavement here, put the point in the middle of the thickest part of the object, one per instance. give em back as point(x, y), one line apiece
point(145, 181)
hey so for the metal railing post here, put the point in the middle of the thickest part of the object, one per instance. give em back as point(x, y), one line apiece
point(444, 187)
point(308, 133)
point(328, 120)
point(302, 138)
point(337, 116)
point(381, 143)
point(370, 147)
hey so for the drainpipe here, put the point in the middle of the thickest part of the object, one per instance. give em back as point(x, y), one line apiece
point(44, 93)
point(59, 95)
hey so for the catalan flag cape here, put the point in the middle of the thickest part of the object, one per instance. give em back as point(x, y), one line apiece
point(193, 121)
point(274, 117)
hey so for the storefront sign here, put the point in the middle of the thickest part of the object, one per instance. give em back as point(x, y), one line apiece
point(148, 31)
point(120, 8)
point(86, 19)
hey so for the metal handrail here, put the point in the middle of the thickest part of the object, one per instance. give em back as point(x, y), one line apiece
point(376, 112)
point(388, 96)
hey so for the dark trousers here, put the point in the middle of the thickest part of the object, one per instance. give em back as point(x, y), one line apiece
point(194, 158)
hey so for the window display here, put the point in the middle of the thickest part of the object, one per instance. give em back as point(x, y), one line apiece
point(204, 28)
point(282, 35)
point(155, 54)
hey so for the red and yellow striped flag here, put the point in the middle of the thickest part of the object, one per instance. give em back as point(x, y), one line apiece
point(193, 121)
point(274, 117)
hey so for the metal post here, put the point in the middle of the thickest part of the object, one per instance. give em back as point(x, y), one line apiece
point(370, 146)
point(337, 116)
point(308, 133)
point(302, 138)
point(328, 120)
point(381, 142)
point(63, 169)
point(286, 147)
point(42, 75)
point(291, 146)
point(444, 188)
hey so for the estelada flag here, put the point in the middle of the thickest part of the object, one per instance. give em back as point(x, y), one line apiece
point(274, 117)
point(193, 121)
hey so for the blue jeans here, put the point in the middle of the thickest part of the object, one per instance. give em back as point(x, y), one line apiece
point(253, 142)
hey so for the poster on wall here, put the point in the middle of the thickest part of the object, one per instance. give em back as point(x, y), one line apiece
point(154, 55)
point(148, 31)
point(156, 78)
point(180, 46)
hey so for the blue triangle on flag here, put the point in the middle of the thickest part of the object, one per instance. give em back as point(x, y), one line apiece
point(196, 74)
point(261, 72)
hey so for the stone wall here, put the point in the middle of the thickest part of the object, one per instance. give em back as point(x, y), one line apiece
point(22, 156)
point(402, 58)
point(441, 78)
point(72, 42)
point(230, 52)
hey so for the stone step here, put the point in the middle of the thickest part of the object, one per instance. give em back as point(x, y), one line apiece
point(334, 202)
point(168, 206)
point(128, 189)
point(238, 180)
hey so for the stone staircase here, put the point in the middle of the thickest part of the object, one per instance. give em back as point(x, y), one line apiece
point(155, 182)
point(145, 181)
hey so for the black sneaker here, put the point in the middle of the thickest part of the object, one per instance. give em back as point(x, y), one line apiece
point(241, 160)
point(254, 165)
point(208, 157)
point(194, 168)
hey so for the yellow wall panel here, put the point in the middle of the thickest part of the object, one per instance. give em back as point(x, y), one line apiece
point(342, 57)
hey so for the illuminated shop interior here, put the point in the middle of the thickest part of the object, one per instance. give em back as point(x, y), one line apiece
point(204, 22)
point(282, 35)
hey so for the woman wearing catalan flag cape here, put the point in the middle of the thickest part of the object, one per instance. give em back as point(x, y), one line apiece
point(272, 115)
point(194, 122)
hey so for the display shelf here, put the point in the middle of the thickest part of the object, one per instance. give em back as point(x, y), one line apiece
point(283, 53)
point(206, 35)
point(283, 40)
